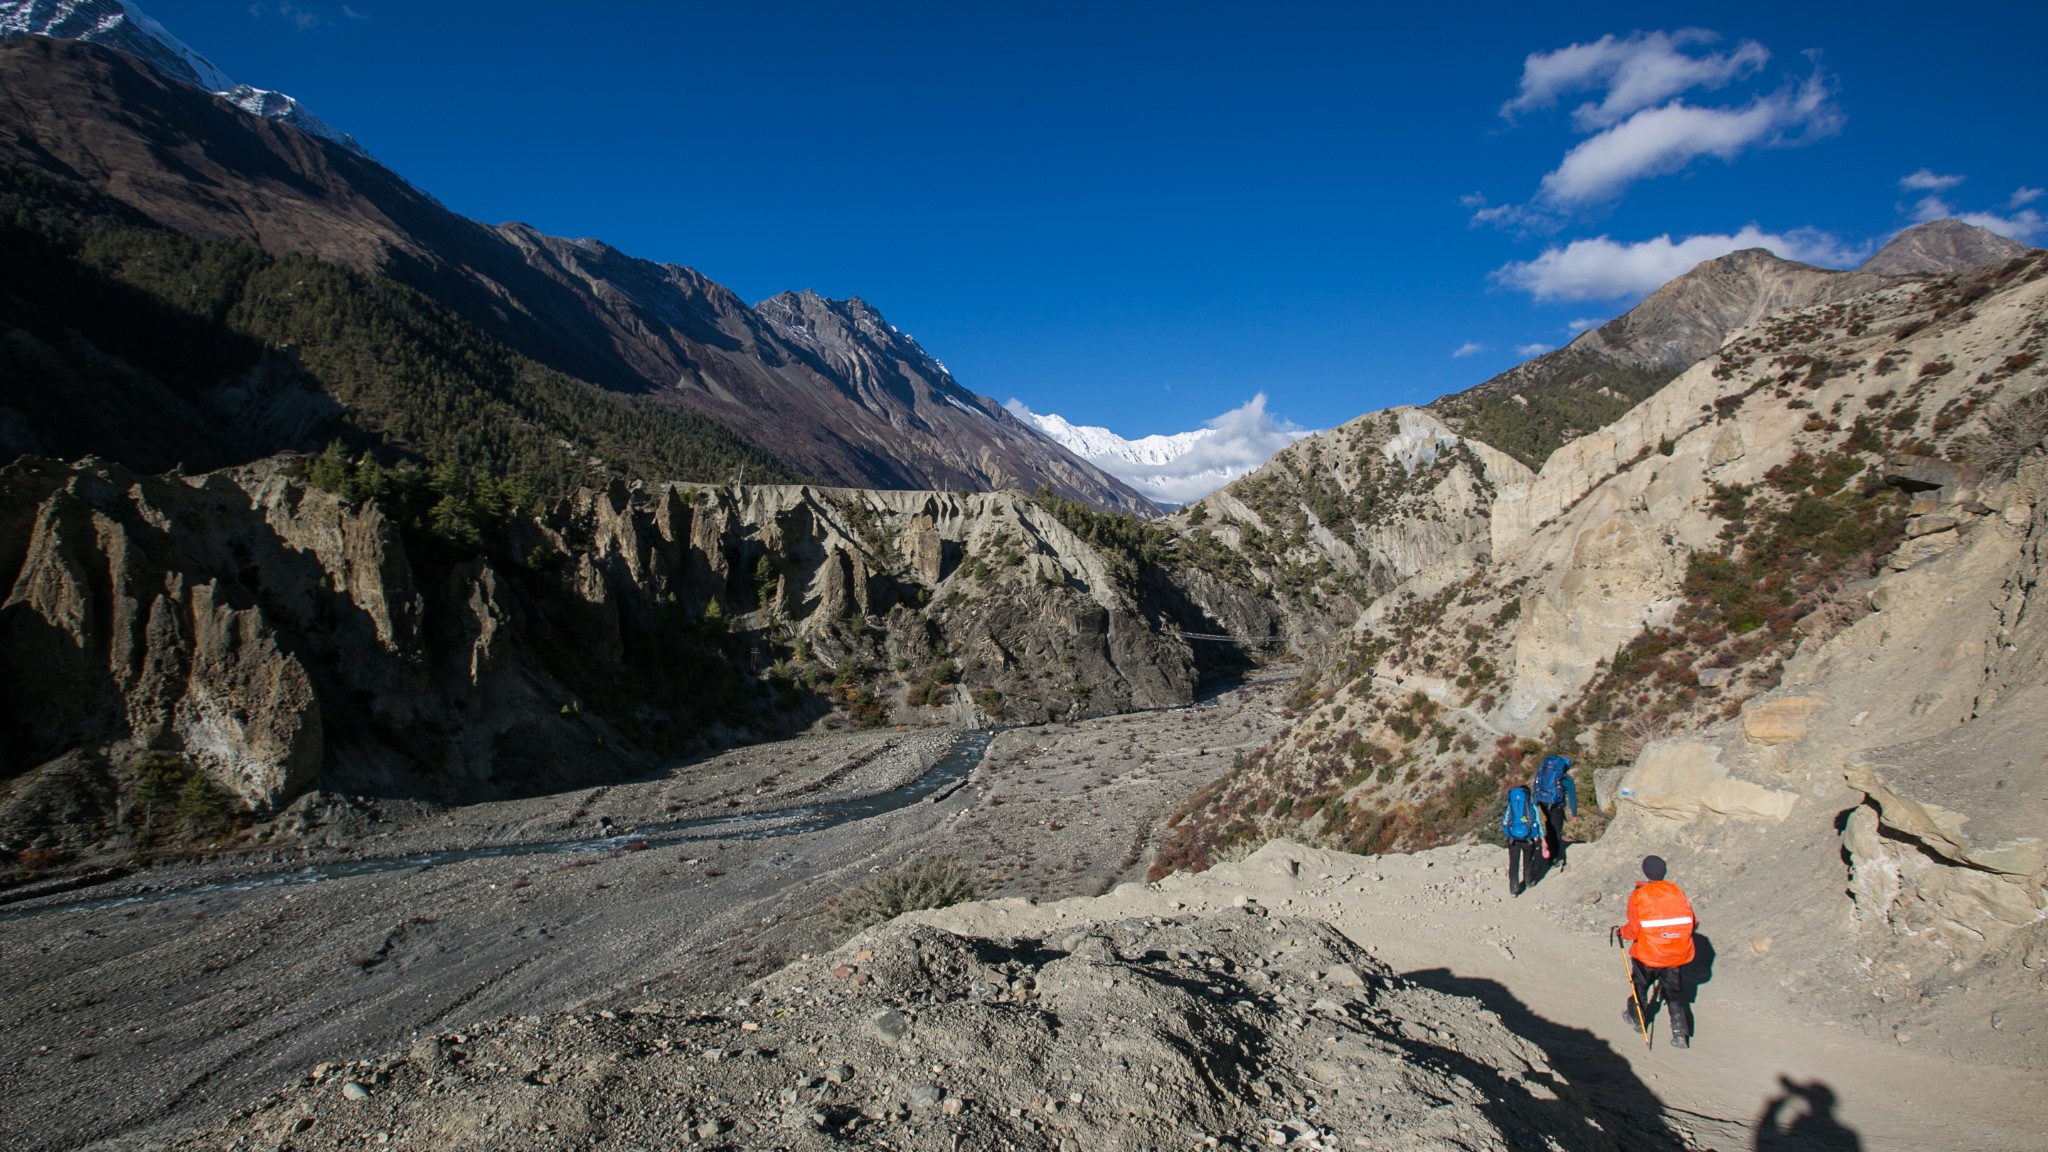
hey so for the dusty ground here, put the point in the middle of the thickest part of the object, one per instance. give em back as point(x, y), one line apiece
point(1766, 1064)
point(223, 981)
point(1228, 1030)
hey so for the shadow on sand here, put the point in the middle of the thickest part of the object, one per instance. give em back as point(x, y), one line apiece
point(1600, 1080)
point(1801, 1118)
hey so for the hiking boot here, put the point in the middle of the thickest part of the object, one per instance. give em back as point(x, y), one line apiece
point(1628, 1016)
point(1680, 1040)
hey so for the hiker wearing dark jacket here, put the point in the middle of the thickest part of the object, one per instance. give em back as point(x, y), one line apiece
point(1523, 830)
point(1659, 935)
point(1555, 791)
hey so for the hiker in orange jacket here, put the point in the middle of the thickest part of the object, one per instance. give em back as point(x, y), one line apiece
point(1659, 935)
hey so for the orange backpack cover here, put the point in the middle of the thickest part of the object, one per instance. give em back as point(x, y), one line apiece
point(1660, 923)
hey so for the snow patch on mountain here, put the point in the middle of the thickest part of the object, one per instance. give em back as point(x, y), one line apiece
point(121, 25)
point(1178, 467)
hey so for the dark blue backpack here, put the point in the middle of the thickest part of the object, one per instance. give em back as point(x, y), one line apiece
point(1550, 780)
point(1519, 821)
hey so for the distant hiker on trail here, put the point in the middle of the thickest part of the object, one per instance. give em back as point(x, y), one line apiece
point(1554, 790)
point(1524, 830)
point(1659, 932)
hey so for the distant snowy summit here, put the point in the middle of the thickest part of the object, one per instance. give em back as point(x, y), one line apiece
point(1100, 444)
point(1180, 467)
point(118, 24)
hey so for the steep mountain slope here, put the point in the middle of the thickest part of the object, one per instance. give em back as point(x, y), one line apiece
point(1784, 613)
point(1532, 408)
point(127, 341)
point(877, 412)
point(121, 25)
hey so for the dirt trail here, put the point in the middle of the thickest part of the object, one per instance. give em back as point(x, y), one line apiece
point(1760, 1073)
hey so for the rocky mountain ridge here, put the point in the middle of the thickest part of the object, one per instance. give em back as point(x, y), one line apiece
point(1941, 246)
point(121, 25)
point(1532, 408)
point(882, 414)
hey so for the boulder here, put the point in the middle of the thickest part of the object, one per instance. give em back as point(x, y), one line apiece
point(1928, 525)
point(1950, 482)
point(1685, 779)
point(1780, 721)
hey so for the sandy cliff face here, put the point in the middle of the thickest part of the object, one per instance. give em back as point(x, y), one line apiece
point(1337, 519)
point(1777, 624)
point(272, 637)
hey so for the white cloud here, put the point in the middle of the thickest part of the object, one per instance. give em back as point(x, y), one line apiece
point(1583, 323)
point(297, 15)
point(1186, 466)
point(2023, 225)
point(1926, 180)
point(1640, 125)
point(1531, 349)
point(1601, 269)
point(1518, 217)
point(2022, 197)
point(1659, 141)
point(1468, 348)
point(1635, 72)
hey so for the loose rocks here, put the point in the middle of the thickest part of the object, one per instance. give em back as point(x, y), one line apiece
point(1199, 1031)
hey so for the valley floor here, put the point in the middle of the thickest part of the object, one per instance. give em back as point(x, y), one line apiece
point(167, 999)
point(1765, 1071)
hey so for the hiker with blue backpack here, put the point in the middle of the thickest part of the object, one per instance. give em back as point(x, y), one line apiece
point(1523, 827)
point(1553, 792)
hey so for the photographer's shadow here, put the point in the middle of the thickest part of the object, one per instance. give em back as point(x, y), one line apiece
point(1801, 1118)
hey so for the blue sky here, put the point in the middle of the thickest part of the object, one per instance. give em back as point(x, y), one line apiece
point(1142, 215)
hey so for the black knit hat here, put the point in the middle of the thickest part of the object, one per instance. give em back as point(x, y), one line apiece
point(1653, 867)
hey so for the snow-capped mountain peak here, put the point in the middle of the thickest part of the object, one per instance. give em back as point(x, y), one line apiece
point(1181, 467)
point(1099, 444)
point(119, 24)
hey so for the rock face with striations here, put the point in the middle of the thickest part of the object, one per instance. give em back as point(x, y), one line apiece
point(275, 637)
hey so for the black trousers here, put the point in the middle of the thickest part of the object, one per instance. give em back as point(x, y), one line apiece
point(1553, 830)
point(1521, 865)
point(1671, 989)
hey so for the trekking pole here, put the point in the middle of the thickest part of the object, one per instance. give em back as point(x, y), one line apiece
point(1629, 973)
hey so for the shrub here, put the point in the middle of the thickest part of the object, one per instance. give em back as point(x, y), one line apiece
point(2010, 433)
point(938, 882)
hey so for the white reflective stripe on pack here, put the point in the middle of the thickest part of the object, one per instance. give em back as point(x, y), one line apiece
point(1667, 923)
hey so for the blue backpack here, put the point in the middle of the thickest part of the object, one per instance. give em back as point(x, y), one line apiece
point(1550, 779)
point(1519, 821)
